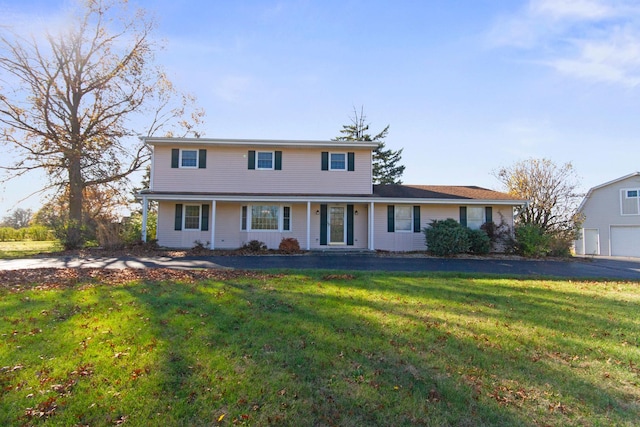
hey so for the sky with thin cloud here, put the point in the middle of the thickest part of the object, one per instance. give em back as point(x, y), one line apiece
point(466, 86)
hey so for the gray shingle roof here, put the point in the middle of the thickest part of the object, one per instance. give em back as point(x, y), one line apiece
point(439, 192)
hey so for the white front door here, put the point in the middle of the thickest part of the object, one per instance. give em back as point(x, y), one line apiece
point(336, 229)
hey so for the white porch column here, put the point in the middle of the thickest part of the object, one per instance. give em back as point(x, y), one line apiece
point(213, 224)
point(145, 209)
point(372, 227)
point(308, 225)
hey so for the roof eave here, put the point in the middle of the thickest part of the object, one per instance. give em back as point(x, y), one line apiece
point(258, 142)
point(326, 198)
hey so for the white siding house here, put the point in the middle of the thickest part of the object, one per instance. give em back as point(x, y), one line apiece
point(225, 193)
point(611, 219)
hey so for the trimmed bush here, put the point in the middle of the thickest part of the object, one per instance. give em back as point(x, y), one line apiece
point(289, 245)
point(479, 241)
point(446, 237)
point(531, 241)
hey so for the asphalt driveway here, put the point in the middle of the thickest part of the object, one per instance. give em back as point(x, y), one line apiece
point(582, 268)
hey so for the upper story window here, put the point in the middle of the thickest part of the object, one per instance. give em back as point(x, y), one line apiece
point(630, 201)
point(264, 160)
point(337, 161)
point(188, 159)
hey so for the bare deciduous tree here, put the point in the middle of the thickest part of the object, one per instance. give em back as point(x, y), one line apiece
point(550, 189)
point(19, 218)
point(72, 102)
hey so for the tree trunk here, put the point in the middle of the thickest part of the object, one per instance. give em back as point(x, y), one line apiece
point(74, 228)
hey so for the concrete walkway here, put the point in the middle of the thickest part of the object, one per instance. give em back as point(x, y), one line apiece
point(580, 268)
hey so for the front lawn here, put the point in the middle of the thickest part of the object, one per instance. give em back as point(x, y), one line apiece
point(24, 248)
point(211, 347)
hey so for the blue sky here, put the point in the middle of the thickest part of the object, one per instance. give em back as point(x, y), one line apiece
point(466, 86)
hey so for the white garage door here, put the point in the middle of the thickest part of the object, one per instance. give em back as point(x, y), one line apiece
point(625, 240)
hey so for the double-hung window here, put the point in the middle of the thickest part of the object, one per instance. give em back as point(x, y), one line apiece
point(630, 201)
point(475, 217)
point(192, 217)
point(266, 218)
point(264, 160)
point(337, 161)
point(403, 219)
point(189, 158)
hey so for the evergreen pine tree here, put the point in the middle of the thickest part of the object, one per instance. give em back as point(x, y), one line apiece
point(386, 167)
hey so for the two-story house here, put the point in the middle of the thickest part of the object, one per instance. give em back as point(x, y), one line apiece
point(228, 192)
point(611, 218)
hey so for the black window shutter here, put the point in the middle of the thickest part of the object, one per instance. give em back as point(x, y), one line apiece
point(178, 222)
point(252, 159)
point(351, 162)
point(463, 216)
point(391, 219)
point(175, 157)
point(202, 159)
point(278, 162)
point(416, 219)
point(204, 222)
point(350, 225)
point(488, 214)
point(243, 220)
point(323, 224)
point(325, 160)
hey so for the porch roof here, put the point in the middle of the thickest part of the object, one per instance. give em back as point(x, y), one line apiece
point(424, 194)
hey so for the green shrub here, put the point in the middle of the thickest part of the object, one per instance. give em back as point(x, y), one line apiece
point(446, 237)
point(39, 233)
point(289, 245)
point(531, 241)
point(132, 228)
point(7, 234)
point(479, 241)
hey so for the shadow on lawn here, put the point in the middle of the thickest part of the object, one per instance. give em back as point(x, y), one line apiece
point(267, 355)
point(314, 350)
point(345, 359)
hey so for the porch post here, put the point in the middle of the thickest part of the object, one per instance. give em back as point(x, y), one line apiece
point(308, 225)
point(144, 218)
point(213, 224)
point(372, 227)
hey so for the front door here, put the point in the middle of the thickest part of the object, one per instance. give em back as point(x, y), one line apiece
point(336, 225)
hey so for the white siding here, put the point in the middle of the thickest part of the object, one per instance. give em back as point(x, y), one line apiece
point(405, 241)
point(602, 211)
point(170, 238)
point(227, 172)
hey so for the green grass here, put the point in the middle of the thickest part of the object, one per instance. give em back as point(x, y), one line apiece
point(23, 248)
point(316, 349)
